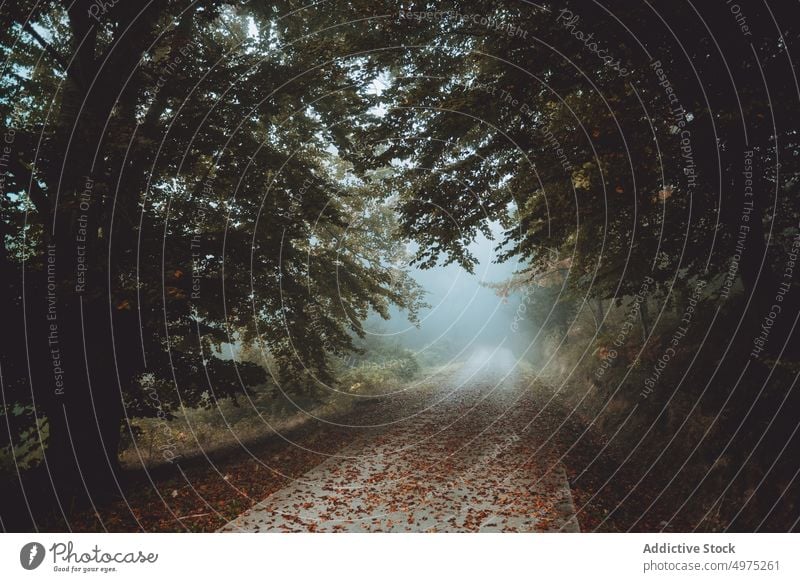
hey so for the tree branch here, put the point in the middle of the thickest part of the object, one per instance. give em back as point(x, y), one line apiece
point(48, 48)
point(25, 178)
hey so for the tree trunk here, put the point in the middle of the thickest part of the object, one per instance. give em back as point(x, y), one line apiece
point(600, 314)
point(77, 376)
point(79, 369)
point(644, 318)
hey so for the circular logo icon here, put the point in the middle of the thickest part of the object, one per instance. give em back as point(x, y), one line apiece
point(31, 555)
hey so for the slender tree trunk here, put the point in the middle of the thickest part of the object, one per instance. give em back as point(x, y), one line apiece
point(644, 318)
point(600, 314)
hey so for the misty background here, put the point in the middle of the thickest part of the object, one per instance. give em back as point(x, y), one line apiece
point(464, 314)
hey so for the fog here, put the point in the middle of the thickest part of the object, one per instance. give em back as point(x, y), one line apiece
point(466, 321)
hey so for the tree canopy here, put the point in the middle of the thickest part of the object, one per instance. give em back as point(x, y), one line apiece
point(182, 177)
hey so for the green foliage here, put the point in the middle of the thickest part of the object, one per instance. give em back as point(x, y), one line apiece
point(380, 367)
point(574, 159)
point(247, 192)
point(256, 214)
point(25, 450)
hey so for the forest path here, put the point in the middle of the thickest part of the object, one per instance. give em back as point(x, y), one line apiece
point(461, 454)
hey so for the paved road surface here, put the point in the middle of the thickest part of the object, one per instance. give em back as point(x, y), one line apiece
point(461, 454)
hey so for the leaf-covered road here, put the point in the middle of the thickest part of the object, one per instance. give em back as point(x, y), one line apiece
point(462, 453)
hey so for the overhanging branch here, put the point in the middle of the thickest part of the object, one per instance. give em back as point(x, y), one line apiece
point(45, 45)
